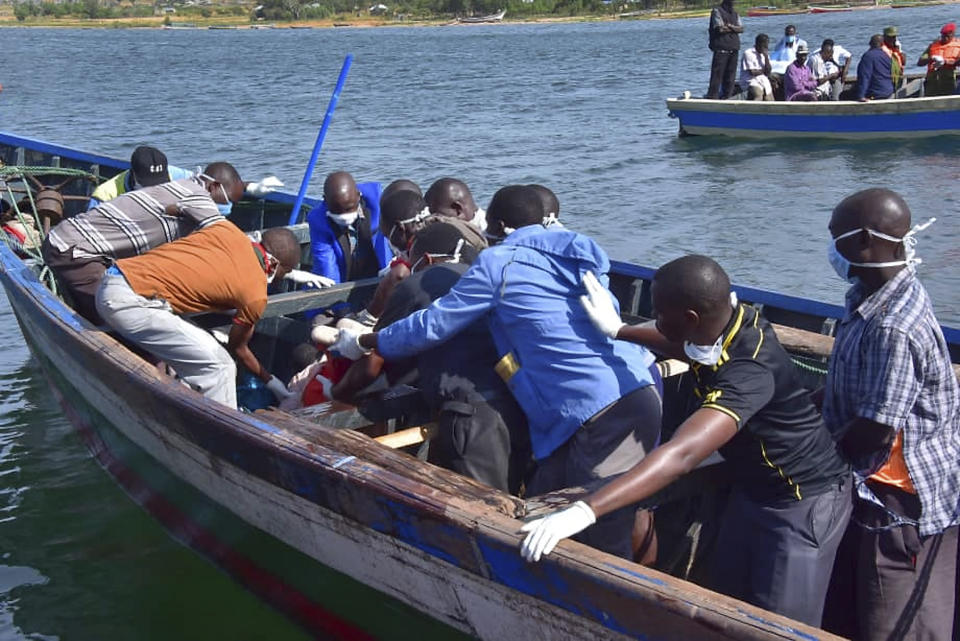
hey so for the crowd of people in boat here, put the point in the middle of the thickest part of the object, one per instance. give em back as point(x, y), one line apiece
point(792, 72)
point(503, 319)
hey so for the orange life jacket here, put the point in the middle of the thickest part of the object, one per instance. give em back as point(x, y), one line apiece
point(950, 52)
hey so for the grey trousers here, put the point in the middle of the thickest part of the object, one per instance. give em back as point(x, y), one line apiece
point(608, 444)
point(780, 556)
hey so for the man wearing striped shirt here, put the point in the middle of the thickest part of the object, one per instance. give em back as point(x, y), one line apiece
point(892, 401)
point(80, 249)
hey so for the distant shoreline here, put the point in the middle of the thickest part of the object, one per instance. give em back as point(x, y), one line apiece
point(187, 22)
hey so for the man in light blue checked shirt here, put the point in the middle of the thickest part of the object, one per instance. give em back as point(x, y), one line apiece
point(893, 402)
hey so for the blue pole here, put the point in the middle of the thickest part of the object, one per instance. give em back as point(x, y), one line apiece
point(295, 212)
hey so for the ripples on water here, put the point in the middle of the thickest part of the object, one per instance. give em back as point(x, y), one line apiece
point(578, 107)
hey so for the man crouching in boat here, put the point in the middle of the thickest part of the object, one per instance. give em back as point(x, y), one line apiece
point(216, 268)
point(791, 498)
point(80, 248)
point(591, 403)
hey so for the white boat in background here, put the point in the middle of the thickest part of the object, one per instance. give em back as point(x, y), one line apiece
point(493, 17)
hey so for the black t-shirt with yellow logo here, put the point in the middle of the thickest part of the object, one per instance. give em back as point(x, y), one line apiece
point(782, 450)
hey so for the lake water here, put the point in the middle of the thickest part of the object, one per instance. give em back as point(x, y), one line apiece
point(577, 107)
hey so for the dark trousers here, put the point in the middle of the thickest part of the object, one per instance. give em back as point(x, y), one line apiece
point(893, 584)
point(723, 74)
point(608, 444)
point(80, 276)
point(780, 556)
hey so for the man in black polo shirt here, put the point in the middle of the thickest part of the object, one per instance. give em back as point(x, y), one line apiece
point(791, 499)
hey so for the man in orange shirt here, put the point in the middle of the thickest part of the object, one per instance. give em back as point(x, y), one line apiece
point(940, 59)
point(215, 268)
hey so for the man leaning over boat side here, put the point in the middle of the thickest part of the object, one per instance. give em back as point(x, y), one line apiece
point(592, 404)
point(755, 70)
point(214, 269)
point(792, 491)
point(724, 30)
point(892, 401)
point(80, 248)
point(874, 80)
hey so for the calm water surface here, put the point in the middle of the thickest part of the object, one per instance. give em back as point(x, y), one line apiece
point(578, 107)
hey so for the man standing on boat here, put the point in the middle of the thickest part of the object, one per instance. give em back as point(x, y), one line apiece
point(892, 401)
point(80, 248)
point(874, 80)
point(898, 60)
point(214, 269)
point(725, 29)
point(940, 59)
point(791, 497)
point(755, 70)
point(592, 404)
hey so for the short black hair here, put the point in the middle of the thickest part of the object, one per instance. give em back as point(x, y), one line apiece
point(224, 173)
point(441, 237)
point(826, 43)
point(401, 184)
point(694, 282)
point(551, 204)
point(283, 244)
point(303, 356)
point(761, 37)
point(401, 205)
point(517, 206)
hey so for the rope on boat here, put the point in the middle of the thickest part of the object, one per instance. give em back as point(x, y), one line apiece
point(809, 367)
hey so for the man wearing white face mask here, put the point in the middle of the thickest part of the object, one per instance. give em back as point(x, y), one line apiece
point(452, 197)
point(892, 401)
point(792, 491)
point(343, 241)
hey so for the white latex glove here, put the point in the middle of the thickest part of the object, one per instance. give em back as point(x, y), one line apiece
point(278, 388)
point(543, 534)
point(599, 306)
point(327, 385)
point(264, 187)
point(301, 277)
point(348, 345)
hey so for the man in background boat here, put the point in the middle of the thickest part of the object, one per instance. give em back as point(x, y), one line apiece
point(829, 66)
point(755, 70)
point(898, 60)
point(80, 248)
point(940, 59)
point(874, 80)
point(892, 401)
point(344, 238)
point(592, 404)
point(214, 269)
point(798, 81)
point(452, 197)
point(725, 29)
point(785, 51)
point(792, 491)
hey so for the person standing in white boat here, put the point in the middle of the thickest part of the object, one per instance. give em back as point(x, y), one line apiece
point(755, 70)
point(725, 29)
point(829, 66)
point(792, 491)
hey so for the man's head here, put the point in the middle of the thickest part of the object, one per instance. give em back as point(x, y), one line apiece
point(826, 49)
point(401, 214)
point(223, 183)
point(790, 33)
point(879, 210)
point(511, 208)
point(283, 246)
point(551, 204)
point(148, 167)
point(442, 241)
point(801, 55)
point(451, 197)
point(762, 42)
point(691, 296)
point(340, 193)
point(947, 32)
point(400, 185)
point(890, 37)
point(876, 41)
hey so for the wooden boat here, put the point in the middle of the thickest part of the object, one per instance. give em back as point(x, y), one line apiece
point(762, 12)
point(829, 9)
point(493, 17)
point(898, 118)
point(349, 537)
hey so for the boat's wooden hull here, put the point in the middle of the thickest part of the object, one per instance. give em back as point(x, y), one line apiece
point(908, 118)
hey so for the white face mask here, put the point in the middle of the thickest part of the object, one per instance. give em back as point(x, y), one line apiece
point(227, 205)
point(454, 257)
point(708, 354)
point(348, 218)
point(842, 266)
point(479, 220)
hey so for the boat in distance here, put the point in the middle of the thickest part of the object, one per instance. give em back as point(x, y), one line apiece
point(322, 520)
point(895, 118)
point(762, 12)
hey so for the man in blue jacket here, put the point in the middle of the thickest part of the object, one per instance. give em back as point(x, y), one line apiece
point(344, 238)
point(874, 73)
point(591, 402)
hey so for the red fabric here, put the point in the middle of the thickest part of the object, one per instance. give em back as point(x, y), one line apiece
point(15, 232)
point(948, 28)
point(334, 369)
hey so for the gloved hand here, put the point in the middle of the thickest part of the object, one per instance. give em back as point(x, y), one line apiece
point(264, 187)
point(327, 386)
point(543, 534)
point(301, 277)
point(599, 307)
point(348, 345)
point(278, 388)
